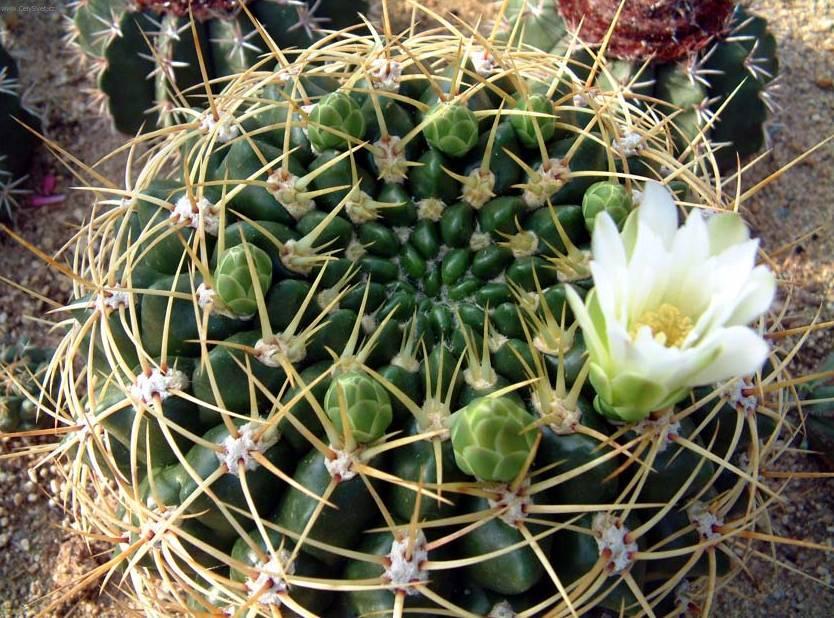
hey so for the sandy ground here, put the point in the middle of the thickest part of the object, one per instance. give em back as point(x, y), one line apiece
point(793, 216)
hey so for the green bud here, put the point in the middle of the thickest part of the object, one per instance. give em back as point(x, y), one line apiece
point(233, 278)
point(368, 406)
point(335, 112)
point(452, 129)
point(606, 196)
point(524, 125)
point(489, 440)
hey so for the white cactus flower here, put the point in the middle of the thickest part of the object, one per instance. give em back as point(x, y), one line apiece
point(670, 306)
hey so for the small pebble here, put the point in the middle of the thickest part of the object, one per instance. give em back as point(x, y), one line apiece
point(25, 545)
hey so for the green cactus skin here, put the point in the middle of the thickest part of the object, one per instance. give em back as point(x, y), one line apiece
point(18, 143)
point(451, 129)
point(367, 406)
point(335, 115)
point(819, 413)
point(524, 125)
point(434, 322)
point(607, 197)
point(139, 87)
point(490, 441)
point(236, 287)
point(23, 370)
point(737, 71)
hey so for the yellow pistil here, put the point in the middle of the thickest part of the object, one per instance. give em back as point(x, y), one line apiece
point(668, 324)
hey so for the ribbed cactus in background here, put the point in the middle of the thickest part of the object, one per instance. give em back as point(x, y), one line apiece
point(23, 371)
point(144, 59)
point(341, 349)
point(711, 60)
point(17, 143)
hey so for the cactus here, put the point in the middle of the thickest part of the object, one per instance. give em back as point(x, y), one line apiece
point(23, 370)
point(405, 422)
point(18, 143)
point(143, 56)
point(711, 62)
point(609, 197)
point(818, 396)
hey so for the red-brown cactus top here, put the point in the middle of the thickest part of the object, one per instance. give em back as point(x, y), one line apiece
point(667, 29)
point(201, 8)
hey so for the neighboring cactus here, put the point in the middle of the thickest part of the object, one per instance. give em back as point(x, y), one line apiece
point(23, 370)
point(818, 407)
point(17, 143)
point(690, 55)
point(143, 57)
point(405, 423)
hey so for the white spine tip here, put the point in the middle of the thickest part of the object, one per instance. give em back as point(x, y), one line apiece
point(239, 450)
point(340, 467)
point(483, 62)
point(403, 568)
point(193, 213)
point(224, 128)
point(206, 296)
point(741, 394)
point(614, 542)
point(663, 429)
point(629, 144)
point(157, 384)
point(111, 300)
point(705, 521)
point(514, 504)
point(386, 74)
point(271, 581)
point(502, 610)
point(430, 209)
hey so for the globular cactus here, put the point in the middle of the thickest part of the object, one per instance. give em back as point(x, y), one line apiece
point(388, 377)
point(143, 55)
point(712, 62)
point(18, 144)
point(23, 370)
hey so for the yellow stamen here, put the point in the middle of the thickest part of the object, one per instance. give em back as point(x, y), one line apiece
point(668, 324)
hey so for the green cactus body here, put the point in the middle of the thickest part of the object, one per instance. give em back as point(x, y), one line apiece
point(367, 406)
point(237, 288)
point(490, 440)
point(819, 427)
point(722, 90)
point(607, 197)
point(140, 86)
point(334, 120)
point(451, 129)
point(18, 143)
point(23, 378)
point(354, 363)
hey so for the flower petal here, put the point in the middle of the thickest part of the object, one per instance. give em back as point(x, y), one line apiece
point(740, 352)
point(726, 229)
point(593, 340)
point(755, 298)
point(657, 210)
